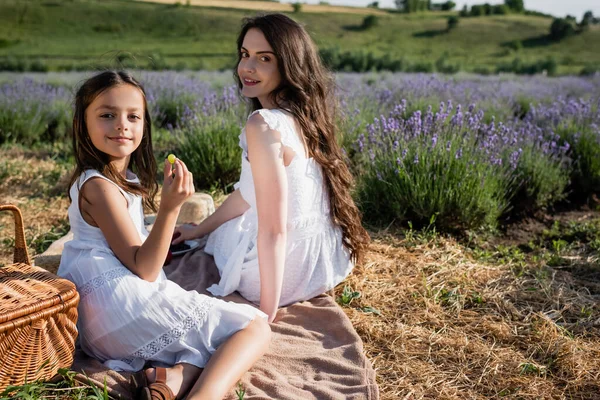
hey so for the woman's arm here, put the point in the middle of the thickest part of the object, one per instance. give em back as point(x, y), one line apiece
point(232, 207)
point(270, 182)
point(103, 204)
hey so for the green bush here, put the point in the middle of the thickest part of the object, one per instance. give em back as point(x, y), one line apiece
point(424, 66)
point(448, 6)
point(210, 147)
point(452, 22)
point(15, 64)
point(409, 174)
point(500, 9)
point(369, 22)
point(561, 29)
point(444, 66)
point(589, 70)
point(516, 45)
point(539, 181)
point(361, 61)
point(481, 70)
point(585, 147)
point(477, 11)
point(515, 5)
point(575, 124)
point(297, 7)
point(32, 113)
point(549, 66)
point(461, 193)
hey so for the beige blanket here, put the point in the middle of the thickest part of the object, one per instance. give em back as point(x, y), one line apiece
point(315, 352)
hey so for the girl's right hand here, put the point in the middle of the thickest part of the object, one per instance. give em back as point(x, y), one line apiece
point(176, 189)
point(184, 232)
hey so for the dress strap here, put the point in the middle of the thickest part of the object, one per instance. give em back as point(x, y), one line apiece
point(92, 173)
point(279, 121)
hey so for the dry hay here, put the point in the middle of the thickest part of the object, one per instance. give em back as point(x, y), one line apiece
point(40, 215)
point(27, 175)
point(273, 6)
point(451, 328)
point(38, 187)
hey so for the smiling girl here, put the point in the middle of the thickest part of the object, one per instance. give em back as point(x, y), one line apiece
point(290, 231)
point(130, 315)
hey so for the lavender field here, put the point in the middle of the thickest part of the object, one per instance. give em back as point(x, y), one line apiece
point(465, 151)
point(478, 313)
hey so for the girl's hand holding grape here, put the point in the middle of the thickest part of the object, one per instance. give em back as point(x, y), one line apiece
point(178, 184)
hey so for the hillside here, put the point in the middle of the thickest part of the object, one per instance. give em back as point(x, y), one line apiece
point(82, 34)
point(274, 6)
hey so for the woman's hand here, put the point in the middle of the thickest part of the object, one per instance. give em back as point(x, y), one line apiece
point(184, 232)
point(176, 189)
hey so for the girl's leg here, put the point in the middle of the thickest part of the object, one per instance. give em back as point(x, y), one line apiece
point(231, 360)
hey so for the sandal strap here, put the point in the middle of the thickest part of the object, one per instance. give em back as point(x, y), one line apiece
point(161, 374)
point(160, 391)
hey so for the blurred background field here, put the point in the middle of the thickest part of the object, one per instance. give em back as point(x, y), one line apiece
point(85, 34)
point(475, 150)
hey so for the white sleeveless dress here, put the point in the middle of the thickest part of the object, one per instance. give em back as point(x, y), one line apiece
point(125, 321)
point(315, 261)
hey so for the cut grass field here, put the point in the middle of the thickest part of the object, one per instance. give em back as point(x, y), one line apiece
point(273, 6)
point(87, 33)
point(511, 317)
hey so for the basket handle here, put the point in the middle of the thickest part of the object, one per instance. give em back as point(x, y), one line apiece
point(21, 254)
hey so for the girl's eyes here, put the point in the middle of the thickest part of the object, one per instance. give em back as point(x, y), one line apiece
point(132, 116)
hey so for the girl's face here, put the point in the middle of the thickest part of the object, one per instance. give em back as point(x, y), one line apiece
point(115, 121)
point(258, 68)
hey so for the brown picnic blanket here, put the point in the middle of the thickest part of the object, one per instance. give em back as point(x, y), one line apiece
point(315, 352)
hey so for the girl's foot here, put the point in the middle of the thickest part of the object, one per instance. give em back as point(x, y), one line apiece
point(174, 378)
point(180, 378)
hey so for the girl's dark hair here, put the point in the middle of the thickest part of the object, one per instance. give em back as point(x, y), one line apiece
point(307, 91)
point(142, 161)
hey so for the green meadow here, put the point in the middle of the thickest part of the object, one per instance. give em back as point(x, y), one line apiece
point(87, 34)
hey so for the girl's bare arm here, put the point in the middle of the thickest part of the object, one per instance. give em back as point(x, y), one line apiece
point(104, 206)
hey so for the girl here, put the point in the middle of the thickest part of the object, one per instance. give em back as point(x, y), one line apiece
point(129, 313)
point(290, 230)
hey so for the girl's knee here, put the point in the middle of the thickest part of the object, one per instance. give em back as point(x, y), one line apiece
point(260, 329)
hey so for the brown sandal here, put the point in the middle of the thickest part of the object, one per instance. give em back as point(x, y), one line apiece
point(138, 382)
point(159, 389)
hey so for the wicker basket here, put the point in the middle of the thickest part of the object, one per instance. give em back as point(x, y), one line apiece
point(38, 312)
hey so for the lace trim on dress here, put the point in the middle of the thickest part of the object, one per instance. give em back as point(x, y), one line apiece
point(102, 280)
point(195, 319)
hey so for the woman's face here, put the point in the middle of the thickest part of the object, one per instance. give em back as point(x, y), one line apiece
point(258, 68)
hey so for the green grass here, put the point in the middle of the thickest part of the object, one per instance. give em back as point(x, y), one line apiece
point(66, 388)
point(63, 34)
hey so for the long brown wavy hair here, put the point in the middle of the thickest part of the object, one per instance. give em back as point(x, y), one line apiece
point(141, 162)
point(307, 91)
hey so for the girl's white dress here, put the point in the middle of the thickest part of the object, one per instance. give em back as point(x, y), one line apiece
point(315, 261)
point(124, 320)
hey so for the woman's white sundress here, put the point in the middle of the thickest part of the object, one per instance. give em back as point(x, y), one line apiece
point(125, 321)
point(315, 261)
